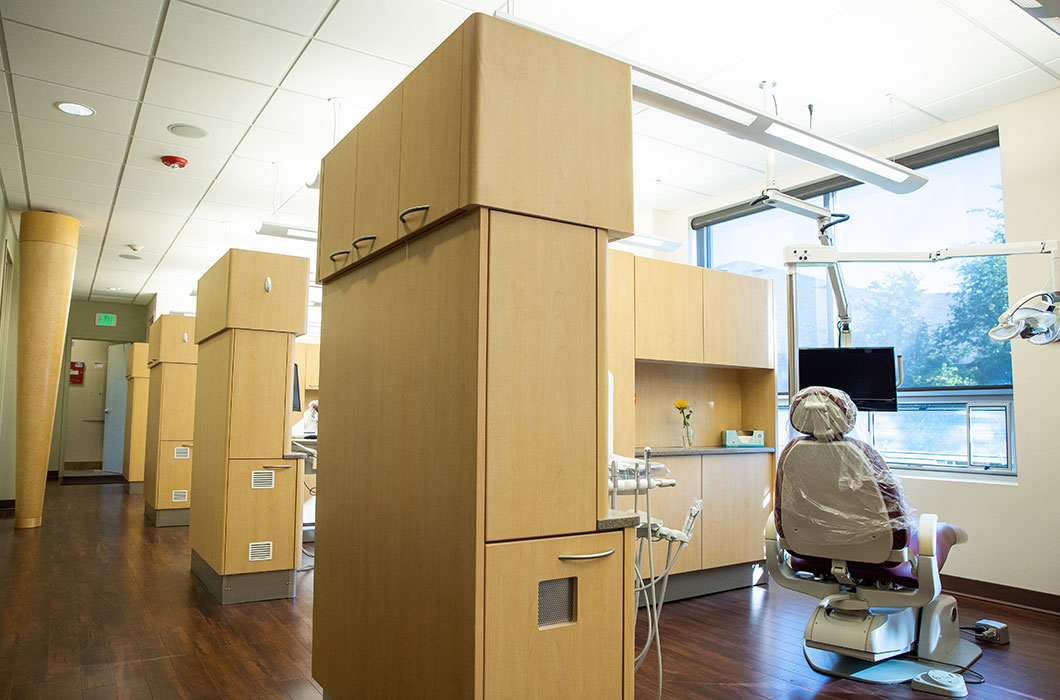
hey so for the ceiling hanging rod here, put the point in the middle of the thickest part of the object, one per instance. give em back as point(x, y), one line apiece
point(656, 89)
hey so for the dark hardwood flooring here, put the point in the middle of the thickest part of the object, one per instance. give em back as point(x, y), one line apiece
point(97, 604)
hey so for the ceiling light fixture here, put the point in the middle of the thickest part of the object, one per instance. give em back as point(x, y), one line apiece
point(75, 109)
point(682, 99)
point(187, 131)
point(114, 289)
point(639, 240)
point(129, 256)
point(1045, 11)
point(278, 230)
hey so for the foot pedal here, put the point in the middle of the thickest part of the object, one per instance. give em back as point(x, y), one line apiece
point(940, 683)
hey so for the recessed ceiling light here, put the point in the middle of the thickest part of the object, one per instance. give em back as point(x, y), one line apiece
point(187, 131)
point(77, 110)
point(114, 289)
point(129, 256)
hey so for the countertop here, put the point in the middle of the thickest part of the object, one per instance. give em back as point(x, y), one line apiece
point(682, 451)
point(617, 520)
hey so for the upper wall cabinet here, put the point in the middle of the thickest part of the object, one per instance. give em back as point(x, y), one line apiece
point(668, 311)
point(495, 116)
point(738, 325)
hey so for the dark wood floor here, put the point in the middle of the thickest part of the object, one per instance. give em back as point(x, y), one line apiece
point(96, 604)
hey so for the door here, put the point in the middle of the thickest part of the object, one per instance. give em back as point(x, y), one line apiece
point(114, 409)
point(83, 438)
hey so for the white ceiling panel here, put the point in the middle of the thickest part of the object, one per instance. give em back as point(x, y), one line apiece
point(983, 10)
point(5, 99)
point(202, 233)
point(732, 180)
point(93, 217)
point(110, 259)
point(1014, 87)
point(152, 230)
point(332, 71)
point(61, 59)
point(186, 257)
point(42, 187)
point(300, 114)
point(13, 181)
point(248, 172)
point(485, 6)
point(127, 280)
point(164, 181)
point(202, 92)
point(242, 218)
point(597, 22)
point(299, 17)
point(304, 205)
point(659, 195)
point(92, 172)
point(165, 203)
point(72, 140)
point(9, 157)
point(1028, 34)
point(7, 128)
point(405, 31)
point(658, 160)
point(886, 130)
point(225, 44)
point(17, 201)
point(283, 146)
point(127, 24)
point(231, 193)
point(154, 121)
point(37, 98)
point(203, 164)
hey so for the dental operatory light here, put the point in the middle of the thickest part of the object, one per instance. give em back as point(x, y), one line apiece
point(1034, 318)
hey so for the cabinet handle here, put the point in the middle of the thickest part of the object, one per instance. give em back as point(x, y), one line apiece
point(406, 212)
point(361, 239)
point(277, 466)
point(337, 253)
point(581, 557)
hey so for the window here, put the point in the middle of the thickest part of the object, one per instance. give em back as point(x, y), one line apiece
point(955, 405)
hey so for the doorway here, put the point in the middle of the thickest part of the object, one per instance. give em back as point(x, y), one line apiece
point(94, 427)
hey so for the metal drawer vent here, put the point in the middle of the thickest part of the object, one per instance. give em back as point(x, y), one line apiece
point(180, 496)
point(262, 479)
point(260, 551)
point(556, 601)
point(181, 453)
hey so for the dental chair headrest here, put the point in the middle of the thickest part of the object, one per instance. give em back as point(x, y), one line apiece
point(825, 413)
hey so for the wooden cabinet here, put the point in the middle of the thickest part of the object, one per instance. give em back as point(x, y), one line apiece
point(136, 364)
point(737, 498)
point(260, 532)
point(669, 311)
point(621, 340)
point(170, 434)
point(312, 366)
point(136, 404)
point(338, 175)
point(671, 504)
point(738, 320)
point(554, 624)
point(172, 339)
point(252, 290)
point(172, 486)
point(472, 125)
point(262, 394)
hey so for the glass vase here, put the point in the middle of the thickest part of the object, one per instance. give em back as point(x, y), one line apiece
point(686, 435)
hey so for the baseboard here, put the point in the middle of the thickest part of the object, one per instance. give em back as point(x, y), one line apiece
point(83, 466)
point(999, 593)
point(7, 508)
point(53, 475)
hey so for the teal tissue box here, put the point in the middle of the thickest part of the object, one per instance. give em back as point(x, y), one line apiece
point(745, 438)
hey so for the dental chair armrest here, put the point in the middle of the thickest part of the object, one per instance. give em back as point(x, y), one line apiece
point(784, 575)
point(927, 573)
point(926, 534)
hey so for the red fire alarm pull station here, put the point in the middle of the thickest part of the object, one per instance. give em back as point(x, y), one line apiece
point(77, 372)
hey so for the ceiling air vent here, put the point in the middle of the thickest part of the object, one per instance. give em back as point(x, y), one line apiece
point(260, 551)
point(180, 496)
point(263, 479)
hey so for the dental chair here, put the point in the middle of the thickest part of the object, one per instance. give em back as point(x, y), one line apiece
point(841, 530)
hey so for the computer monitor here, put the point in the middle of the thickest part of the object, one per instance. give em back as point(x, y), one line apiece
point(867, 374)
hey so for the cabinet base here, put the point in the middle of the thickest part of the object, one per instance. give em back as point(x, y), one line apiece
point(167, 517)
point(724, 578)
point(243, 588)
point(134, 488)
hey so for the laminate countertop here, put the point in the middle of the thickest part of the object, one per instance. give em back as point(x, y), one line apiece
point(683, 451)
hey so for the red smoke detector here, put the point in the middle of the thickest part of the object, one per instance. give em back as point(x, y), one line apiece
point(174, 162)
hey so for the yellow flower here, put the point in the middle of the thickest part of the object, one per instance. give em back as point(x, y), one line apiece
point(680, 405)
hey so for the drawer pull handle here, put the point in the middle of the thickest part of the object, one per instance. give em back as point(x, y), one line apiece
point(361, 239)
point(582, 557)
point(276, 466)
point(406, 212)
point(337, 253)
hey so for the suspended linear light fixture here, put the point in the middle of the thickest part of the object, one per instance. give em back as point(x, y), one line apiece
point(278, 230)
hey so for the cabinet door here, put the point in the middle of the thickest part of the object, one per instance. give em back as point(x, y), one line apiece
point(177, 403)
point(620, 348)
point(430, 138)
point(738, 320)
point(737, 497)
point(338, 175)
point(554, 625)
point(174, 475)
point(312, 365)
point(375, 207)
point(264, 511)
point(671, 504)
point(260, 402)
point(668, 309)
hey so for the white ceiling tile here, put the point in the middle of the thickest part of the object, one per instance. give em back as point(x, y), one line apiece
point(186, 257)
point(664, 126)
point(597, 22)
point(202, 92)
point(13, 181)
point(72, 140)
point(1014, 87)
point(222, 135)
point(984, 10)
point(730, 181)
point(242, 218)
point(1028, 34)
point(37, 98)
point(405, 31)
point(485, 6)
point(110, 259)
point(164, 181)
point(658, 160)
point(9, 157)
point(17, 202)
point(152, 230)
point(206, 233)
point(284, 147)
point(332, 71)
point(301, 114)
point(93, 217)
point(126, 280)
point(299, 17)
point(42, 187)
point(36, 53)
point(127, 24)
point(7, 128)
point(5, 98)
point(147, 154)
point(225, 44)
point(231, 193)
point(249, 173)
point(662, 196)
point(886, 130)
point(303, 206)
point(165, 203)
point(57, 165)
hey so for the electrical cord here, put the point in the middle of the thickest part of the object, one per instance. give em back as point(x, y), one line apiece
point(960, 669)
point(836, 219)
point(758, 200)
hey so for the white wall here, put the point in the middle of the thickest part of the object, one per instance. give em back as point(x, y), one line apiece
point(1011, 525)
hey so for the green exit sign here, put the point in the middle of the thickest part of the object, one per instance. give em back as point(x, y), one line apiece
point(106, 319)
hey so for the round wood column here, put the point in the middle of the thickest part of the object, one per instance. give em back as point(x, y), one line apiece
point(47, 251)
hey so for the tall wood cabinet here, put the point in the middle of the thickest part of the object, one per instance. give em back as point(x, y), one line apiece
point(245, 531)
point(137, 375)
point(464, 546)
point(170, 425)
